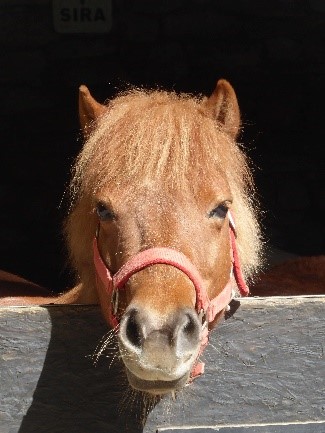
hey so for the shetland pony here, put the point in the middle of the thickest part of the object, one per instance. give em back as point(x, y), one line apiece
point(162, 220)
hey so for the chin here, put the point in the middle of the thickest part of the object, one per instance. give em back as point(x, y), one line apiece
point(156, 387)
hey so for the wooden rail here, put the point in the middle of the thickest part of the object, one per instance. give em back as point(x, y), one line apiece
point(265, 373)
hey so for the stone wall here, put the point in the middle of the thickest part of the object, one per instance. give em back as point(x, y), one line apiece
point(273, 52)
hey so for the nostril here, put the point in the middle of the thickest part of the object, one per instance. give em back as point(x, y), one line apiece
point(187, 334)
point(133, 330)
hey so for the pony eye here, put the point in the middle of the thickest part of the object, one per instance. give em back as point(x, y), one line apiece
point(104, 213)
point(219, 211)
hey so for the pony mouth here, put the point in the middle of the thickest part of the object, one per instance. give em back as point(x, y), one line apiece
point(156, 387)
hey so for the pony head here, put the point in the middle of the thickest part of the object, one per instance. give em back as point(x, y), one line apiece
point(160, 172)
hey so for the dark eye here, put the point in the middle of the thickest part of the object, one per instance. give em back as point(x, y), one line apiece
point(104, 213)
point(219, 211)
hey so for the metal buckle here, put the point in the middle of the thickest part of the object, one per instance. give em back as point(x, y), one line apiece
point(232, 223)
point(203, 318)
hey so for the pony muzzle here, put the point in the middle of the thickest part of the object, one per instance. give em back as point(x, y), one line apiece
point(159, 354)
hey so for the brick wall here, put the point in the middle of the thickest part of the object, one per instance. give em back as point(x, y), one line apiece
point(273, 52)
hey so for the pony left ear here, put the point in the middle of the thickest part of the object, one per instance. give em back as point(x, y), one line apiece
point(89, 109)
point(223, 106)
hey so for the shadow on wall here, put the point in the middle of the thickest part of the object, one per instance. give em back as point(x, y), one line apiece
point(71, 393)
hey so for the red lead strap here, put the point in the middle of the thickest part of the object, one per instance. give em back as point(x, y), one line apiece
point(240, 281)
point(169, 256)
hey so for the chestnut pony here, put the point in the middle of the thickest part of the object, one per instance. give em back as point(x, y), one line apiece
point(150, 231)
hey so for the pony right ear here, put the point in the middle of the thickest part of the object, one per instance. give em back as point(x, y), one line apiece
point(89, 109)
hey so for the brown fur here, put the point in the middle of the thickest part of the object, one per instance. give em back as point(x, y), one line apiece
point(300, 276)
point(15, 290)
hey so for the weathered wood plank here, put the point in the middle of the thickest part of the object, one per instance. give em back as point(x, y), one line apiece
point(312, 427)
point(264, 366)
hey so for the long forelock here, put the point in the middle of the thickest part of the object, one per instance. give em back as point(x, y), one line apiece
point(163, 137)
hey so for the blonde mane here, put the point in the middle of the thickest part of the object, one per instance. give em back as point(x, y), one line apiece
point(145, 135)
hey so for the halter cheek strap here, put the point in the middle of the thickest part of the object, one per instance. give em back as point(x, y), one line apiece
point(206, 308)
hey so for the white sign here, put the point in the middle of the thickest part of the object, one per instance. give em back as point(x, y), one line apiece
point(82, 16)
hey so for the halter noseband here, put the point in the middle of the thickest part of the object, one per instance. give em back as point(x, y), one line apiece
point(207, 309)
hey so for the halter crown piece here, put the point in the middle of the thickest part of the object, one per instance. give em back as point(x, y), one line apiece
point(206, 308)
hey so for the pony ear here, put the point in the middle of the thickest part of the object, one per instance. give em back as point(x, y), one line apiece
point(89, 109)
point(223, 106)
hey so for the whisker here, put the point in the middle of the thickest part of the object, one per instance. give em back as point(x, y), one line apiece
point(108, 346)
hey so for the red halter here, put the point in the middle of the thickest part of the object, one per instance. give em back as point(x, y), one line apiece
point(168, 256)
